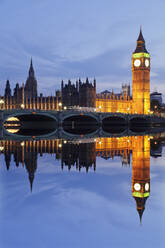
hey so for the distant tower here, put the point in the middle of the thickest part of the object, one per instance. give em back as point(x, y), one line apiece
point(141, 172)
point(141, 78)
point(31, 83)
point(7, 89)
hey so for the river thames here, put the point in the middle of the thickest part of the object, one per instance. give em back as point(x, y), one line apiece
point(95, 192)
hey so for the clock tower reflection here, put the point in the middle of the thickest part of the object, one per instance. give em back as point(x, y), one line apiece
point(141, 172)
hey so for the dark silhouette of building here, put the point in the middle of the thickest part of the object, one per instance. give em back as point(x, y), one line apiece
point(82, 94)
point(25, 96)
point(31, 83)
point(79, 155)
point(70, 94)
point(7, 89)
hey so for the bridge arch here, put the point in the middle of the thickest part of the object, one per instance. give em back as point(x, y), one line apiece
point(114, 119)
point(32, 114)
point(82, 115)
point(80, 123)
point(15, 133)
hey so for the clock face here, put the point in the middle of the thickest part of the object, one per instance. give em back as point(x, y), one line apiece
point(137, 62)
point(137, 186)
point(147, 63)
point(147, 186)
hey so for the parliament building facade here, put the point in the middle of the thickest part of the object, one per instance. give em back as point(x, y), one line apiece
point(83, 94)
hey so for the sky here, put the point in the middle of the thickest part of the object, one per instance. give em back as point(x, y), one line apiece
point(71, 39)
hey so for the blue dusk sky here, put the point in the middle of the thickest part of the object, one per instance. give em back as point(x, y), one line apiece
point(68, 39)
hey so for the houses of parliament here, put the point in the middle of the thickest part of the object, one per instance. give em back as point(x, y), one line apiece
point(83, 94)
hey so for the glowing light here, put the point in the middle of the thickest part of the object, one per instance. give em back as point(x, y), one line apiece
point(65, 141)
point(59, 145)
point(1, 101)
point(22, 106)
point(147, 186)
point(12, 130)
point(22, 143)
point(65, 108)
point(1, 148)
point(140, 55)
point(137, 62)
point(147, 63)
point(141, 195)
point(60, 104)
point(137, 186)
point(12, 119)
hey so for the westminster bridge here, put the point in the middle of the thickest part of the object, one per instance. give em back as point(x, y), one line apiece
point(82, 115)
point(56, 120)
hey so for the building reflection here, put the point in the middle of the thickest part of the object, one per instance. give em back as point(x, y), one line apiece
point(82, 155)
point(141, 172)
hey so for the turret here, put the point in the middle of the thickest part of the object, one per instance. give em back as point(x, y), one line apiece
point(7, 89)
point(31, 70)
point(31, 83)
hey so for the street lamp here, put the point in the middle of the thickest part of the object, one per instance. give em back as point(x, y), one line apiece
point(22, 106)
point(1, 103)
point(22, 143)
point(128, 110)
point(60, 105)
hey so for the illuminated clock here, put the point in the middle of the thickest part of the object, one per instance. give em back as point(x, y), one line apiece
point(137, 186)
point(147, 186)
point(147, 63)
point(137, 62)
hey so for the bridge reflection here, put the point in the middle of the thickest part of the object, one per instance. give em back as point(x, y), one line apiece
point(83, 154)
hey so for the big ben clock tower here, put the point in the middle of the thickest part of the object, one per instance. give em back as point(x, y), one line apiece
point(141, 78)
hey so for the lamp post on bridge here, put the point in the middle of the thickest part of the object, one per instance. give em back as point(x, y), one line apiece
point(1, 103)
point(60, 106)
point(22, 106)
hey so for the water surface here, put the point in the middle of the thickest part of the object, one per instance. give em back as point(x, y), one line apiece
point(97, 192)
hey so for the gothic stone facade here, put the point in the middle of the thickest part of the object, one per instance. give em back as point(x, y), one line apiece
point(82, 94)
point(26, 96)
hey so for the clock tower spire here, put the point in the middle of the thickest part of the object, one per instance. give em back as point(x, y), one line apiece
point(141, 77)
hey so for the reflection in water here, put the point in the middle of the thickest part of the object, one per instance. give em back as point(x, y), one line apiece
point(83, 153)
point(29, 132)
point(10, 130)
point(141, 172)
